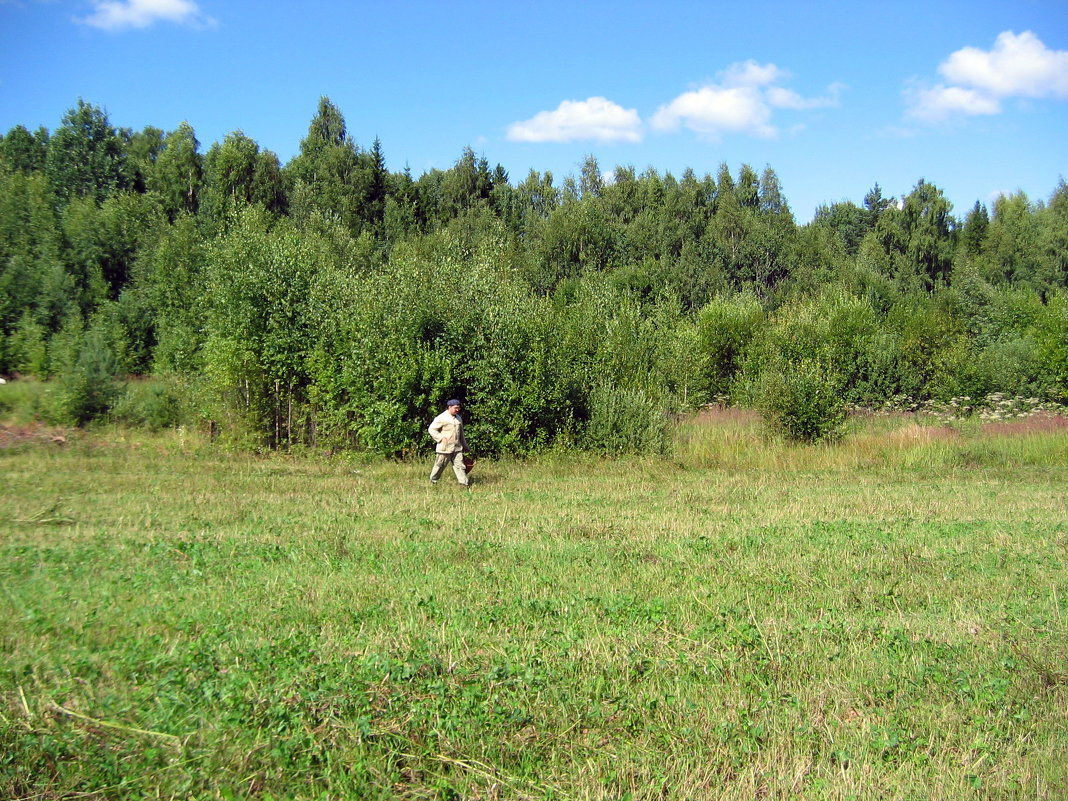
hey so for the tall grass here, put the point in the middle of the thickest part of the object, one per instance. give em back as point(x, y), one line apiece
point(736, 438)
point(881, 618)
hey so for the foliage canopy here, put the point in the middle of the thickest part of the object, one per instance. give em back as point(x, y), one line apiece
point(330, 301)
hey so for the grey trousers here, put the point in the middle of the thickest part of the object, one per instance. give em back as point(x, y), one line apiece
point(457, 460)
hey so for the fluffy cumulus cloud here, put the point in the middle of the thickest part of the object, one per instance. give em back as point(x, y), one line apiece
point(942, 102)
point(597, 118)
point(114, 15)
point(742, 101)
point(1019, 65)
point(715, 110)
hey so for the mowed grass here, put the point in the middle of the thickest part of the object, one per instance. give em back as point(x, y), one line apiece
point(885, 618)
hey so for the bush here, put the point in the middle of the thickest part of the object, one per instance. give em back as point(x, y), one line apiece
point(88, 388)
point(726, 326)
point(1010, 366)
point(27, 351)
point(802, 400)
point(833, 329)
point(152, 404)
point(1050, 332)
point(625, 421)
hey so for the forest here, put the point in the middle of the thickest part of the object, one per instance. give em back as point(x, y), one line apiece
point(329, 302)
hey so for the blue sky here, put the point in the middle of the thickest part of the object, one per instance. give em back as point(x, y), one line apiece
point(834, 96)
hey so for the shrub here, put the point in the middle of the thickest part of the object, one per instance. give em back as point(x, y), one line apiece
point(802, 400)
point(726, 326)
point(1050, 332)
point(924, 333)
point(834, 329)
point(1008, 366)
point(89, 386)
point(27, 350)
point(64, 346)
point(625, 420)
point(152, 404)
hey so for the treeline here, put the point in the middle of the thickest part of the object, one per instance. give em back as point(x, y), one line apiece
point(329, 301)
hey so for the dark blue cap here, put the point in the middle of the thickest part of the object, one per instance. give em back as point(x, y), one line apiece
point(453, 402)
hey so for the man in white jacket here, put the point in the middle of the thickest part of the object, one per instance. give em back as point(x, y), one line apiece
point(447, 431)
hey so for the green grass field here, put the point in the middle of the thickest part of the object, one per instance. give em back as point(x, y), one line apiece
point(884, 618)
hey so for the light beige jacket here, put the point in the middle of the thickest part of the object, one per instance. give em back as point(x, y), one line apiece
point(448, 432)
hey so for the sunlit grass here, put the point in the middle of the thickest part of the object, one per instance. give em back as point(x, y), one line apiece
point(882, 617)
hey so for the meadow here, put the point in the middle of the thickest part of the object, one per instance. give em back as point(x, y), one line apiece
point(884, 617)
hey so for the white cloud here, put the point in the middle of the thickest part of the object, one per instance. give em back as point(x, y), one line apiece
point(595, 118)
point(978, 80)
point(741, 102)
point(749, 73)
point(942, 102)
point(1018, 66)
point(113, 15)
point(714, 110)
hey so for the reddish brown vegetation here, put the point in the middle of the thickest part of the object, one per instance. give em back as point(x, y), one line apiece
point(33, 434)
point(724, 415)
point(1035, 424)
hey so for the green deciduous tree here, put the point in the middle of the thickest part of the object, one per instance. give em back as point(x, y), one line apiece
point(177, 174)
point(466, 185)
point(258, 337)
point(102, 242)
point(1053, 241)
point(1010, 248)
point(755, 246)
point(142, 150)
point(237, 173)
point(86, 155)
point(170, 282)
point(25, 151)
point(32, 275)
point(848, 221)
point(927, 227)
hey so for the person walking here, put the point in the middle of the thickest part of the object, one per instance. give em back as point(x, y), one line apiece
point(447, 430)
